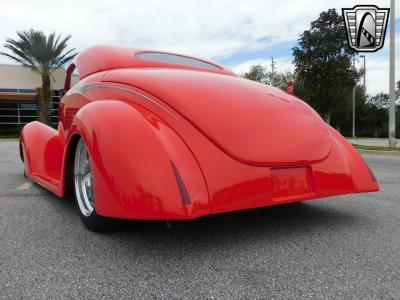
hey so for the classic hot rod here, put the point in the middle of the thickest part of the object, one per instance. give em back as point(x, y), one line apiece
point(162, 136)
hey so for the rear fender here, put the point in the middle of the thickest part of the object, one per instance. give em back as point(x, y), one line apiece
point(42, 152)
point(142, 169)
point(362, 176)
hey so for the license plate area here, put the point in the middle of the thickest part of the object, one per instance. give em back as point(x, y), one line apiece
point(292, 183)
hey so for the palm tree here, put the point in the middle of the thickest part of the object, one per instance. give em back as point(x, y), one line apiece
point(43, 55)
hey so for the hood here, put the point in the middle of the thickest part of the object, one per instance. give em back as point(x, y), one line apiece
point(252, 122)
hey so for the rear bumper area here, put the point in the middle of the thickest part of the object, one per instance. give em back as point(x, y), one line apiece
point(343, 172)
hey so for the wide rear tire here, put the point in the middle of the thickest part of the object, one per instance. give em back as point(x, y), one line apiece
point(84, 191)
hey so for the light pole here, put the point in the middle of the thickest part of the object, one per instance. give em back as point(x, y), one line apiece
point(365, 70)
point(354, 107)
point(392, 107)
point(272, 71)
point(354, 98)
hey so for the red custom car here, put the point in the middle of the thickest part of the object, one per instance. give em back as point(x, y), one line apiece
point(155, 135)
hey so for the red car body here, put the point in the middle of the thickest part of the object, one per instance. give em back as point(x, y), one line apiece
point(170, 140)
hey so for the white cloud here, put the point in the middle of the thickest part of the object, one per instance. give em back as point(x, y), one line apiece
point(377, 75)
point(377, 66)
point(207, 28)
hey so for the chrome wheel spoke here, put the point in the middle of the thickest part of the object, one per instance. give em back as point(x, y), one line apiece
point(83, 179)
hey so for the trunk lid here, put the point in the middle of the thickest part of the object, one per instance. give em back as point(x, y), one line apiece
point(251, 122)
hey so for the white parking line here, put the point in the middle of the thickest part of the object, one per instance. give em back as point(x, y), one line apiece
point(26, 186)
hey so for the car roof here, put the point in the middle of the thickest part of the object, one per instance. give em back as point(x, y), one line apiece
point(103, 57)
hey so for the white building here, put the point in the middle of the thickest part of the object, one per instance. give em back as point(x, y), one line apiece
point(18, 94)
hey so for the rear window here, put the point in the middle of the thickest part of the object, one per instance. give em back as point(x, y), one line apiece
point(176, 59)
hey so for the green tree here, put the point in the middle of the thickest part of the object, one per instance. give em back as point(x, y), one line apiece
point(260, 74)
point(371, 119)
point(281, 80)
point(380, 100)
point(43, 55)
point(323, 64)
point(257, 73)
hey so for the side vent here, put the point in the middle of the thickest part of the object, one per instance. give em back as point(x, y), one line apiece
point(182, 188)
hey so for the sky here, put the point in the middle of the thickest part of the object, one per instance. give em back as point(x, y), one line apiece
point(235, 33)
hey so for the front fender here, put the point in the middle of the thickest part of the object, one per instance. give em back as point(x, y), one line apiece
point(142, 169)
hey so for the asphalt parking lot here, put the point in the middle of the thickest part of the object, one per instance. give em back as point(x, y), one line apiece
point(343, 248)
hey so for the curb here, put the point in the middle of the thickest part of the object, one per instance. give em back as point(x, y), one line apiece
point(379, 152)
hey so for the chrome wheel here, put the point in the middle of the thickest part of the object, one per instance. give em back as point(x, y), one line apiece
point(83, 180)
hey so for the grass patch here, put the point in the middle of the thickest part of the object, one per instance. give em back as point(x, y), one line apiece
point(10, 132)
point(378, 148)
point(9, 136)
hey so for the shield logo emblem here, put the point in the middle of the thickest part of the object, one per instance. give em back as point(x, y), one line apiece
point(365, 27)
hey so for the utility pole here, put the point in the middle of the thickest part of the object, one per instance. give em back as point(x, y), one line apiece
point(392, 105)
point(354, 112)
point(354, 106)
point(272, 70)
point(365, 70)
point(354, 97)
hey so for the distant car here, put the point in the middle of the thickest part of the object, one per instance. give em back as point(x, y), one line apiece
point(161, 136)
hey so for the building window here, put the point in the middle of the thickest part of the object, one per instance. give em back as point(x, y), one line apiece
point(8, 90)
point(26, 91)
point(29, 91)
point(27, 106)
point(20, 112)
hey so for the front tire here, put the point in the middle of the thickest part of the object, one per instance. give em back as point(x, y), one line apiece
point(84, 191)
